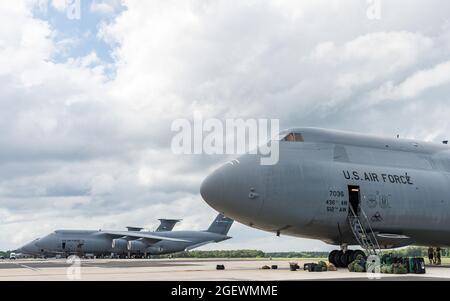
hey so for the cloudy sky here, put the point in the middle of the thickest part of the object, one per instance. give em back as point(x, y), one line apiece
point(86, 104)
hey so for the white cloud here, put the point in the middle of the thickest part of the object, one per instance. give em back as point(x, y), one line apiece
point(416, 84)
point(59, 5)
point(105, 7)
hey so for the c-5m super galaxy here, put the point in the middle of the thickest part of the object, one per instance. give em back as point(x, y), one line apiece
point(132, 242)
point(31, 249)
point(342, 188)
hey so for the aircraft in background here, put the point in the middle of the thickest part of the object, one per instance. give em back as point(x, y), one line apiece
point(342, 188)
point(134, 241)
point(32, 250)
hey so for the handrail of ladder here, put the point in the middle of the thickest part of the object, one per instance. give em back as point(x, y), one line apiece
point(371, 247)
point(352, 226)
point(371, 230)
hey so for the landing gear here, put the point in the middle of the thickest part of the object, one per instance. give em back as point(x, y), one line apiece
point(332, 256)
point(341, 259)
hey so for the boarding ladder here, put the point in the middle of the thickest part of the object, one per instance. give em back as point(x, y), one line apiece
point(365, 236)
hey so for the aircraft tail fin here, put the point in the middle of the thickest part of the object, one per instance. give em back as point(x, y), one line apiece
point(167, 224)
point(221, 225)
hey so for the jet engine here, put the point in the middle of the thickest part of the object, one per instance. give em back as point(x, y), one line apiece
point(137, 246)
point(119, 244)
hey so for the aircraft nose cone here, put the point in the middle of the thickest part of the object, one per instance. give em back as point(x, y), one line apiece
point(40, 243)
point(211, 189)
point(235, 189)
point(45, 242)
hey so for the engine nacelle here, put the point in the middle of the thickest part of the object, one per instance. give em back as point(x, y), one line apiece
point(119, 244)
point(155, 250)
point(137, 246)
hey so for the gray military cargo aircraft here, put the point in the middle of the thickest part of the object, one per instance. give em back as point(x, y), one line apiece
point(132, 242)
point(345, 189)
point(31, 249)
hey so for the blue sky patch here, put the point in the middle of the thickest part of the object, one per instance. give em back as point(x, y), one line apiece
point(78, 37)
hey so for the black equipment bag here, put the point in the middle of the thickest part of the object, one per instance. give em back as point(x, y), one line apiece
point(419, 266)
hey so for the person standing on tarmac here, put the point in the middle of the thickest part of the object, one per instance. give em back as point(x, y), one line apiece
point(435, 257)
point(438, 256)
point(430, 254)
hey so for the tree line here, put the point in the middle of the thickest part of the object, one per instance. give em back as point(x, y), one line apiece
point(406, 252)
point(245, 254)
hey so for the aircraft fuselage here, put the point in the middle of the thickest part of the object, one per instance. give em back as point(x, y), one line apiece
point(402, 186)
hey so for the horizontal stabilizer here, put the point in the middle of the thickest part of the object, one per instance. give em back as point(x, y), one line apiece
point(135, 229)
point(167, 224)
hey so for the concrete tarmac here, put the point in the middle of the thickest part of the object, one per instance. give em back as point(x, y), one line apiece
point(183, 270)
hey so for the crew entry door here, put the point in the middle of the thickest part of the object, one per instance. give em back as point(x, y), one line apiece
point(354, 195)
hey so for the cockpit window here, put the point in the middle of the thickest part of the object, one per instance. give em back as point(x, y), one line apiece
point(293, 137)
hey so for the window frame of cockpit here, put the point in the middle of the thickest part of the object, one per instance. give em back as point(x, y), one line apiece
point(292, 137)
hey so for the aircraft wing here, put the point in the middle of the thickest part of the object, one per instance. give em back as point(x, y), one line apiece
point(138, 235)
point(199, 245)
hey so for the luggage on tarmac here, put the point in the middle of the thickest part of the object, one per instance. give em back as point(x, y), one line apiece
point(331, 268)
point(405, 262)
point(399, 268)
point(323, 266)
point(358, 266)
point(307, 266)
point(412, 265)
point(397, 259)
point(387, 269)
point(392, 264)
point(316, 267)
point(419, 266)
point(387, 259)
point(293, 266)
point(319, 268)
